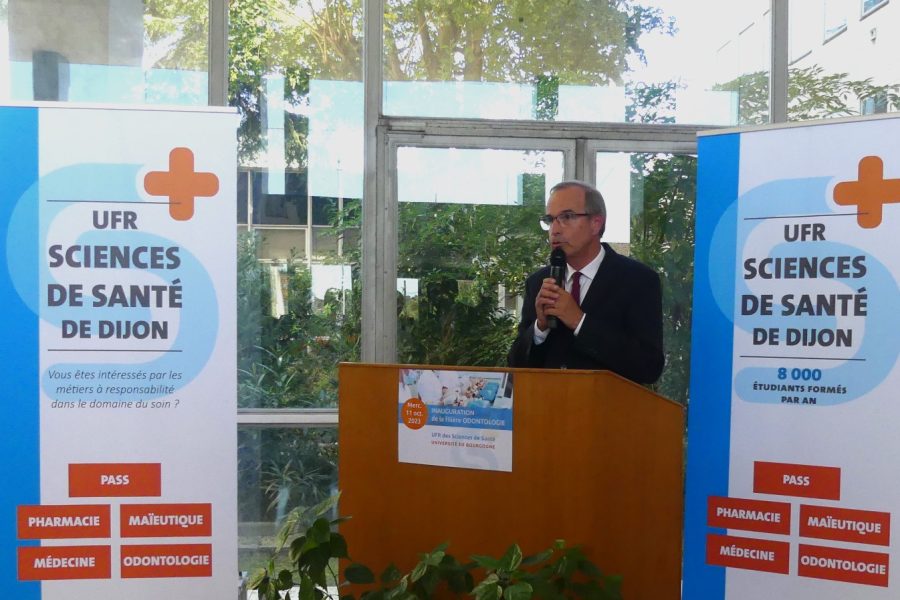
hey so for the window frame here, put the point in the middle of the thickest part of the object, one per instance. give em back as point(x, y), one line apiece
point(865, 12)
point(830, 34)
point(383, 135)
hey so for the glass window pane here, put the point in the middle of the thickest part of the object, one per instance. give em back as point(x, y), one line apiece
point(325, 242)
point(848, 68)
point(655, 61)
point(331, 288)
point(870, 5)
point(469, 233)
point(693, 72)
point(242, 197)
point(296, 321)
point(286, 206)
point(835, 18)
point(467, 176)
point(659, 199)
point(118, 51)
point(805, 27)
point(325, 210)
point(279, 469)
point(295, 77)
point(280, 246)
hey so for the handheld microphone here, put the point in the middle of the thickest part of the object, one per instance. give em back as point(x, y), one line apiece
point(557, 272)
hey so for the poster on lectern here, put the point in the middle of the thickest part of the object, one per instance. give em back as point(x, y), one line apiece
point(118, 355)
point(792, 486)
point(459, 419)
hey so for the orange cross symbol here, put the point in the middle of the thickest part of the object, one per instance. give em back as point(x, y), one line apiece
point(181, 184)
point(870, 193)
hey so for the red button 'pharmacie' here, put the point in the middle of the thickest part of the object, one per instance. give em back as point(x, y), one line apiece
point(805, 481)
point(63, 522)
point(845, 524)
point(749, 515)
point(748, 553)
point(43, 563)
point(840, 564)
point(103, 480)
point(166, 520)
point(167, 560)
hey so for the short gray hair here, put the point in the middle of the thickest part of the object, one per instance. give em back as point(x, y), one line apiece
point(593, 199)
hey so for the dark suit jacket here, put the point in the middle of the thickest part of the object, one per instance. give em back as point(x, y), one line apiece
point(622, 329)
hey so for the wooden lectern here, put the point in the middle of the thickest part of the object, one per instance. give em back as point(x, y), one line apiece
point(597, 461)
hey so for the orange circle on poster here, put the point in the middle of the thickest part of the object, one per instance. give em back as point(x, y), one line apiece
point(415, 413)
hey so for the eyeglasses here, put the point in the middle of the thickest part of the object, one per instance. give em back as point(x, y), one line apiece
point(565, 219)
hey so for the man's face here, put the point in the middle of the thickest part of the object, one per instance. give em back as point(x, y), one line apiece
point(579, 238)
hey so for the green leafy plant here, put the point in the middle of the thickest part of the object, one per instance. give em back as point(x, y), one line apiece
point(554, 574)
point(558, 573)
point(312, 555)
point(433, 569)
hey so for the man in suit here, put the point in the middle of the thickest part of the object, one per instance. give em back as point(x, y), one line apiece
point(614, 323)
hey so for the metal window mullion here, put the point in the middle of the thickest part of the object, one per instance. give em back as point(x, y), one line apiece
point(372, 276)
point(218, 53)
point(287, 417)
point(589, 162)
point(778, 74)
point(581, 160)
point(649, 147)
point(249, 198)
point(556, 130)
point(479, 143)
point(390, 243)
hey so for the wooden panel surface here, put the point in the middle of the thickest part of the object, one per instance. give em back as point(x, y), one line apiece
point(597, 461)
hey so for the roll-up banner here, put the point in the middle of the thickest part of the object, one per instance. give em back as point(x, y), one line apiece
point(793, 445)
point(118, 356)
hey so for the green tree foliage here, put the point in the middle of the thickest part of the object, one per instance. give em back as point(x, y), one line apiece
point(286, 360)
point(812, 94)
point(662, 236)
point(663, 193)
point(279, 470)
point(579, 41)
point(177, 33)
point(294, 40)
point(461, 255)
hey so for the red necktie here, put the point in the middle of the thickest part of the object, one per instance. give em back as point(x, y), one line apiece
point(576, 287)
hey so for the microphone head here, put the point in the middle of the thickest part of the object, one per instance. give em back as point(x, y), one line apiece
point(558, 258)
